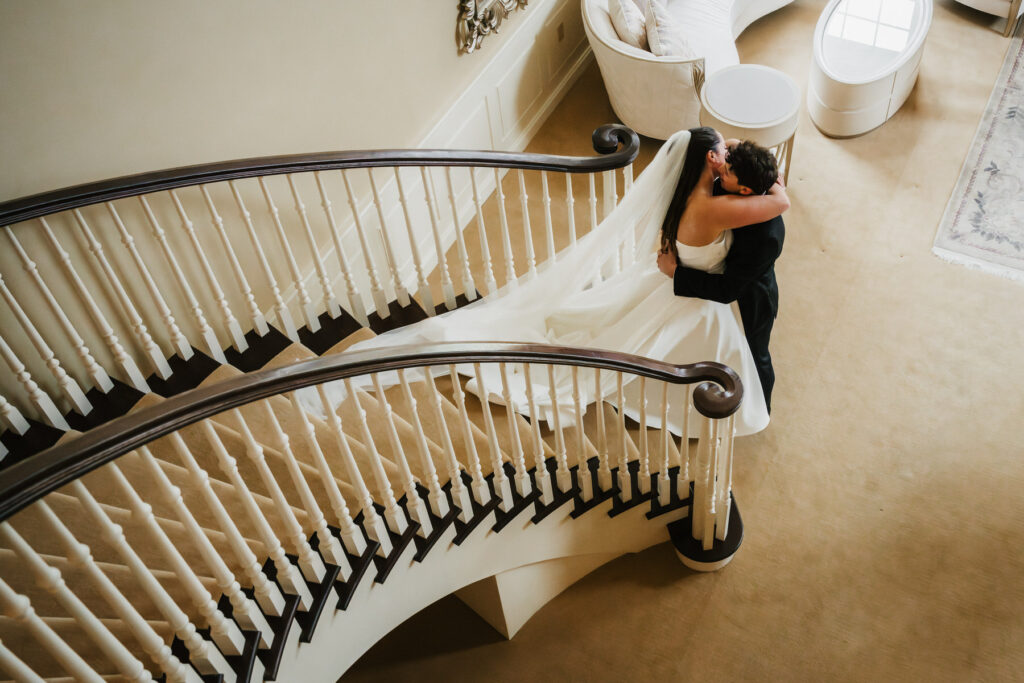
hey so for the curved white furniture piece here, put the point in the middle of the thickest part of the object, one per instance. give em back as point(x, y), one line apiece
point(656, 96)
point(866, 58)
point(753, 102)
point(1011, 9)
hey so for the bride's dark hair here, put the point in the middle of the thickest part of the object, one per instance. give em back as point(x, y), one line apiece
point(702, 141)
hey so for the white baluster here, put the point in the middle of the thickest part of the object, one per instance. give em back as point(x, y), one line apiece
point(16, 668)
point(531, 257)
point(124, 361)
point(604, 472)
point(459, 492)
point(492, 285)
point(712, 488)
point(664, 483)
point(50, 580)
point(309, 561)
point(396, 521)
point(481, 494)
point(98, 375)
point(396, 277)
point(210, 339)
point(288, 577)
point(609, 193)
point(724, 479)
point(40, 400)
point(435, 496)
point(355, 299)
point(178, 340)
point(284, 316)
point(12, 417)
point(698, 506)
point(468, 286)
point(627, 179)
point(230, 323)
point(446, 279)
point(506, 243)
point(522, 477)
point(541, 476)
point(548, 230)
point(593, 202)
point(244, 611)
point(224, 632)
point(259, 322)
point(19, 608)
point(374, 525)
point(423, 290)
point(337, 501)
point(68, 386)
point(308, 310)
point(414, 504)
point(644, 472)
point(625, 485)
point(570, 204)
point(79, 555)
point(202, 655)
point(562, 475)
point(686, 471)
point(330, 301)
point(499, 481)
point(583, 478)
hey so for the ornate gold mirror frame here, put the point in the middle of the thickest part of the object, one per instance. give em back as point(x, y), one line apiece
point(478, 18)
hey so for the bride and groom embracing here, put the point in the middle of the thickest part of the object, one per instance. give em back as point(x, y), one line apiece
point(607, 292)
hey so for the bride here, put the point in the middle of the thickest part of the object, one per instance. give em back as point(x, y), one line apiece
point(570, 302)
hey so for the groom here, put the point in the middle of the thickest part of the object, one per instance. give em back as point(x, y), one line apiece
point(749, 276)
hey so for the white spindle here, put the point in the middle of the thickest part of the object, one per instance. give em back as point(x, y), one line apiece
point(531, 257)
point(330, 300)
point(506, 240)
point(499, 481)
point(178, 340)
point(355, 299)
point(284, 316)
point(459, 492)
point(485, 251)
point(401, 293)
point(123, 360)
point(604, 472)
point(19, 608)
point(686, 471)
point(446, 279)
point(16, 668)
point(548, 230)
point(244, 611)
point(206, 658)
point(354, 541)
point(698, 508)
point(98, 375)
point(68, 386)
point(644, 472)
point(209, 338)
point(50, 580)
point(481, 494)
point(541, 476)
point(609, 192)
point(664, 484)
point(259, 322)
point(79, 555)
point(625, 486)
point(288, 577)
point(423, 290)
point(522, 477)
point(562, 474)
point(570, 208)
point(468, 286)
point(711, 490)
point(724, 479)
point(435, 496)
point(12, 417)
point(308, 309)
point(392, 513)
point(627, 179)
point(234, 330)
point(36, 396)
point(593, 202)
point(583, 478)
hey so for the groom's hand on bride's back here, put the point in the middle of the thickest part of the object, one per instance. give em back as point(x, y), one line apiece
point(667, 262)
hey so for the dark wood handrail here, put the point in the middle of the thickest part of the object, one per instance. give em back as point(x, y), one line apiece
point(607, 141)
point(717, 396)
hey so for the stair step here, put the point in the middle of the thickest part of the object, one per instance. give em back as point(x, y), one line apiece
point(397, 317)
point(185, 374)
point(105, 406)
point(332, 331)
point(362, 334)
point(38, 437)
point(261, 349)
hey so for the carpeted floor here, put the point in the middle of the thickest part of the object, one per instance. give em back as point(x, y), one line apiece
point(883, 507)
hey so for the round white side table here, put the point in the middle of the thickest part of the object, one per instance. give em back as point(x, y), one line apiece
point(754, 102)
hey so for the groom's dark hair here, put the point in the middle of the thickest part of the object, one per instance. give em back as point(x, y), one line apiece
point(754, 166)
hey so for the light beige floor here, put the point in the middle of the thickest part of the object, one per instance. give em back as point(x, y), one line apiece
point(883, 506)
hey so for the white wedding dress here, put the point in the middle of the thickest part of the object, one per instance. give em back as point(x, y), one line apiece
point(573, 302)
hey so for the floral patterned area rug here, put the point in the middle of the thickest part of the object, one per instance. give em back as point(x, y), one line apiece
point(983, 226)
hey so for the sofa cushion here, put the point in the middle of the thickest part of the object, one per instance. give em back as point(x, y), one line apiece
point(601, 25)
point(628, 21)
point(664, 36)
point(707, 25)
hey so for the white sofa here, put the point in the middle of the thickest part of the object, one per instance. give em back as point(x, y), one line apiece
point(1011, 9)
point(656, 96)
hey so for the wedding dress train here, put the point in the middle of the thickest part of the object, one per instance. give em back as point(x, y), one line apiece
point(573, 302)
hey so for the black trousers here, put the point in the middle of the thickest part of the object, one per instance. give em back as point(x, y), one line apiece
point(758, 314)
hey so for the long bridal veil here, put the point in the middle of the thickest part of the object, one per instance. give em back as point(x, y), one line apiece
point(604, 292)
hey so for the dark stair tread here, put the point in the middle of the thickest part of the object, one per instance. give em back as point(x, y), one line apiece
point(320, 592)
point(519, 503)
point(582, 507)
point(244, 663)
point(479, 513)
point(332, 331)
point(105, 406)
point(680, 532)
point(399, 542)
point(179, 650)
point(398, 316)
point(38, 437)
point(438, 524)
point(346, 589)
point(675, 502)
point(460, 301)
point(261, 349)
point(185, 374)
point(636, 498)
point(560, 498)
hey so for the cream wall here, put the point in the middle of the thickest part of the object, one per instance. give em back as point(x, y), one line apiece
point(94, 89)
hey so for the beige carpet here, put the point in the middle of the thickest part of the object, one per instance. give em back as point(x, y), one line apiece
point(883, 506)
